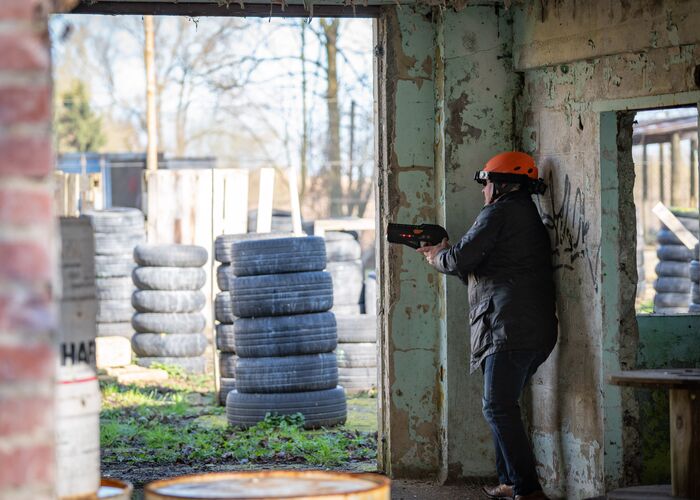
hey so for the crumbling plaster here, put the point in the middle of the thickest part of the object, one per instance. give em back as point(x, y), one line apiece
point(584, 430)
point(458, 87)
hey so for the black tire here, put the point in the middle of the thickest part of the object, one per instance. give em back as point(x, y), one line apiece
point(281, 294)
point(170, 301)
point(179, 345)
point(280, 255)
point(194, 366)
point(672, 285)
point(285, 335)
point(342, 247)
point(347, 310)
point(169, 278)
point(117, 243)
point(358, 355)
point(122, 329)
point(227, 364)
point(223, 243)
point(114, 219)
point(114, 311)
point(694, 271)
point(168, 322)
point(170, 255)
point(667, 237)
point(347, 281)
point(313, 372)
point(665, 300)
point(674, 252)
point(694, 308)
point(113, 266)
point(114, 289)
point(670, 268)
point(690, 222)
point(358, 379)
point(356, 328)
point(324, 408)
point(695, 294)
point(225, 339)
point(223, 309)
point(226, 385)
point(223, 275)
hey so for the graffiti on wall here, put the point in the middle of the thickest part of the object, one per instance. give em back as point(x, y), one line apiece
point(569, 226)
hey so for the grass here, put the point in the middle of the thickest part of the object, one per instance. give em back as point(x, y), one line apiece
point(177, 422)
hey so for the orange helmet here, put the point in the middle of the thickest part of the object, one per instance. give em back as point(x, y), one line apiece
point(512, 167)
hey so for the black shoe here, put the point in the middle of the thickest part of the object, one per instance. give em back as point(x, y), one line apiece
point(500, 491)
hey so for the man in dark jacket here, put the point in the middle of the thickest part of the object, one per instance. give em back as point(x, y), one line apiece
point(505, 260)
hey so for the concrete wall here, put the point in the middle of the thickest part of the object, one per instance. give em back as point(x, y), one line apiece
point(27, 237)
point(447, 90)
point(580, 63)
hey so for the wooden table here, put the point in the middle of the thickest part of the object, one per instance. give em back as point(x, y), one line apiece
point(684, 399)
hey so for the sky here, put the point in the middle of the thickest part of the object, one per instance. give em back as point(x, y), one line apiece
point(244, 129)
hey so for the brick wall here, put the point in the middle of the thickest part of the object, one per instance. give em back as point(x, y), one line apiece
point(27, 239)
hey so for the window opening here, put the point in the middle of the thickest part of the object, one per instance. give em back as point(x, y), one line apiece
point(665, 152)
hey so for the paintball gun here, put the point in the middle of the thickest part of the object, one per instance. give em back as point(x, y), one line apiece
point(412, 236)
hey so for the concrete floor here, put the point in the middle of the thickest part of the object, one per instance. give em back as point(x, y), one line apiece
point(415, 490)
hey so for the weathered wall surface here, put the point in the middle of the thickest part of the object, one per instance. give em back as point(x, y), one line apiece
point(448, 93)
point(579, 422)
point(478, 102)
point(412, 398)
point(558, 32)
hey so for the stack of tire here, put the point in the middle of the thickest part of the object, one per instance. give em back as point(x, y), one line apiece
point(117, 231)
point(673, 282)
point(169, 301)
point(695, 283)
point(344, 263)
point(357, 350)
point(223, 312)
point(284, 333)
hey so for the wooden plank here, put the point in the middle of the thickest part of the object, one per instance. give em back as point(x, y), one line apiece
point(685, 442)
point(323, 225)
point(230, 201)
point(672, 222)
point(267, 188)
point(294, 201)
point(682, 377)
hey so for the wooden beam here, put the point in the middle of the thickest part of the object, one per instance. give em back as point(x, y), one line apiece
point(267, 189)
point(192, 9)
point(685, 442)
point(676, 226)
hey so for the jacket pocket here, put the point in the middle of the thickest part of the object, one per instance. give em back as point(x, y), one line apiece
point(480, 323)
point(479, 310)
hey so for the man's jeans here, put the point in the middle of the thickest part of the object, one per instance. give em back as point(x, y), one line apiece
point(505, 376)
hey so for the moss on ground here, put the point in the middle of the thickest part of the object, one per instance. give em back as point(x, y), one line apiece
point(177, 422)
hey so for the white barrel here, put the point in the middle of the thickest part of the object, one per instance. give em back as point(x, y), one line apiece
point(77, 395)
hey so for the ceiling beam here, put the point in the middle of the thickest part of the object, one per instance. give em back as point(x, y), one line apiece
point(199, 9)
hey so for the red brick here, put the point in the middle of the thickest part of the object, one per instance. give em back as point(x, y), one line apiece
point(22, 9)
point(24, 105)
point(26, 363)
point(24, 416)
point(24, 206)
point(29, 156)
point(31, 465)
point(24, 261)
point(24, 51)
point(27, 312)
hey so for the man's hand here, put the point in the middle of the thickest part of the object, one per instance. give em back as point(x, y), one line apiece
point(430, 252)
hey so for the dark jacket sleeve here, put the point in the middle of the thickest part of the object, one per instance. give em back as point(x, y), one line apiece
point(461, 259)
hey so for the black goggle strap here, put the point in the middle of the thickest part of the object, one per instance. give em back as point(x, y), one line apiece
point(536, 186)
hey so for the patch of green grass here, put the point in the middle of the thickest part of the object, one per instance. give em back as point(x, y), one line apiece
point(177, 423)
